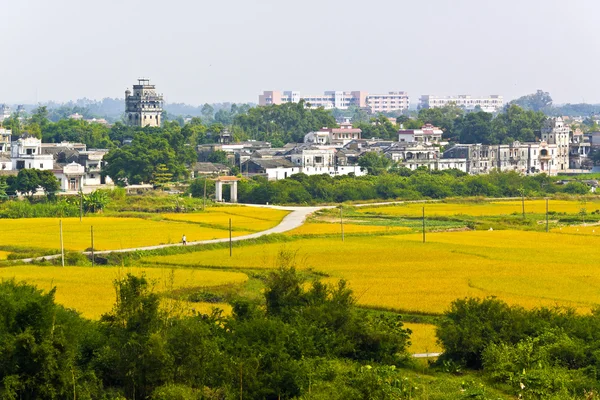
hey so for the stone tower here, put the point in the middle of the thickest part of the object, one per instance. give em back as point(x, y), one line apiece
point(556, 132)
point(144, 106)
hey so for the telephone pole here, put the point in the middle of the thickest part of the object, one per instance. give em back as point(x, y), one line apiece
point(423, 224)
point(230, 241)
point(62, 246)
point(92, 234)
point(342, 222)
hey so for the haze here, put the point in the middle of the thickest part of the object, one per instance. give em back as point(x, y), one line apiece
point(199, 51)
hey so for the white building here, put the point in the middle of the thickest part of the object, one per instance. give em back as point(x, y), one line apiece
point(4, 112)
point(71, 177)
point(392, 101)
point(26, 152)
point(5, 140)
point(492, 103)
point(334, 136)
point(427, 135)
point(556, 132)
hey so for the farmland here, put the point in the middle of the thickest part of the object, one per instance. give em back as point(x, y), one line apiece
point(111, 233)
point(482, 208)
point(397, 271)
point(91, 292)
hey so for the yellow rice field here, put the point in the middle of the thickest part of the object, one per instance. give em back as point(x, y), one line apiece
point(399, 272)
point(333, 228)
point(481, 208)
point(112, 233)
point(423, 339)
point(4, 255)
point(251, 219)
point(91, 292)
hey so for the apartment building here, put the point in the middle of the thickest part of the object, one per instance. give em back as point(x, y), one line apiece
point(392, 101)
point(492, 103)
point(555, 132)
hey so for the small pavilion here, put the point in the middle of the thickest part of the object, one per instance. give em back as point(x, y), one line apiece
point(226, 180)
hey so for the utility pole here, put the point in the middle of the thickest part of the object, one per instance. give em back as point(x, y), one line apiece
point(230, 242)
point(546, 214)
point(92, 234)
point(204, 198)
point(62, 246)
point(522, 191)
point(423, 224)
point(342, 222)
point(80, 205)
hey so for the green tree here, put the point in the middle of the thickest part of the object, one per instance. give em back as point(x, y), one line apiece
point(374, 163)
point(27, 181)
point(3, 189)
point(49, 183)
point(537, 101)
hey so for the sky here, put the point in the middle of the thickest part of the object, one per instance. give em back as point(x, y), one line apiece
point(199, 51)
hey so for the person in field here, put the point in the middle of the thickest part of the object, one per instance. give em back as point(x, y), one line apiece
point(184, 240)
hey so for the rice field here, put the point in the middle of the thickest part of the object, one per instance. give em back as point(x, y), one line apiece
point(91, 292)
point(111, 233)
point(312, 228)
point(4, 255)
point(251, 219)
point(483, 208)
point(422, 338)
point(399, 272)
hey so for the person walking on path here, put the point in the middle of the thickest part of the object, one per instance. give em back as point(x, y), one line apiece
point(184, 240)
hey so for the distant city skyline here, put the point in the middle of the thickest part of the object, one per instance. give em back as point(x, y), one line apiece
point(198, 52)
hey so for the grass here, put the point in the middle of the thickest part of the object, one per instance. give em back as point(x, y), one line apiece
point(398, 272)
point(112, 233)
point(91, 292)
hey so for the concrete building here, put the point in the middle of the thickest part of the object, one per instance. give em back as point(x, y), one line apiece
point(428, 135)
point(4, 112)
point(5, 140)
point(144, 106)
point(579, 151)
point(392, 101)
point(334, 136)
point(26, 152)
point(492, 103)
point(556, 132)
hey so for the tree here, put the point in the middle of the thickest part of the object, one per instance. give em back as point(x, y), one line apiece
point(3, 189)
point(374, 163)
point(27, 181)
point(162, 176)
point(95, 201)
point(49, 183)
point(207, 112)
point(218, 156)
point(537, 101)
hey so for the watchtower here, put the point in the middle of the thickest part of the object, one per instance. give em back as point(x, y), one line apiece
point(144, 106)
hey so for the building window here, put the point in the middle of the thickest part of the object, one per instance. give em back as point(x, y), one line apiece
point(41, 166)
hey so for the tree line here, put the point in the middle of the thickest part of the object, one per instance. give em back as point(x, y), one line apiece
point(399, 183)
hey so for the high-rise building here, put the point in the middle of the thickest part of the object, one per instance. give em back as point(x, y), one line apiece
point(492, 103)
point(392, 101)
point(144, 106)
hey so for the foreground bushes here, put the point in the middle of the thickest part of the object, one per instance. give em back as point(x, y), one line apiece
point(137, 351)
point(541, 353)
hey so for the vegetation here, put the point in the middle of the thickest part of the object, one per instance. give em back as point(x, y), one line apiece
point(298, 342)
point(401, 183)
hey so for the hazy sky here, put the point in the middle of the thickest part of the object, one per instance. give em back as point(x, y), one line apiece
point(198, 51)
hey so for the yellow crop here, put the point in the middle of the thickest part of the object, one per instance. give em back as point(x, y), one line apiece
point(4, 255)
point(335, 228)
point(482, 208)
point(399, 272)
point(252, 219)
point(110, 233)
point(91, 292)
point(423, 339)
